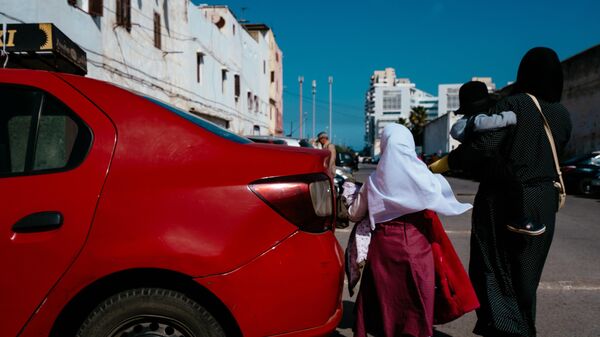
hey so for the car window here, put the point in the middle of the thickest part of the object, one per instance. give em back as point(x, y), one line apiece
point(581, 160)
point(38, 133)
point(203, 123)
point(18, 137)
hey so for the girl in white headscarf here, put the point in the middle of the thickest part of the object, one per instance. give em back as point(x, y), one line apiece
point(397, 288)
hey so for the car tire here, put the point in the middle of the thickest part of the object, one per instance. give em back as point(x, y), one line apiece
point(150, 312)
point(585, 186)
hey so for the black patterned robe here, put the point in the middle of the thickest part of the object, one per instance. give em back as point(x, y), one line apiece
point(506, 267)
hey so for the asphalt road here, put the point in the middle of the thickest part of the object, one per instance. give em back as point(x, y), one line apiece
point(569, 293)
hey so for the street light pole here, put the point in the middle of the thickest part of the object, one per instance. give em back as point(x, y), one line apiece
point(314, 91)
point(300, 81)
point(330, 104)
point(305, 117)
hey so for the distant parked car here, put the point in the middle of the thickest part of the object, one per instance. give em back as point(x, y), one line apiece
point(280, 140)
point(375, 159)
point(346, 159)
point(596, 184)
point(266, 140)
point(124, 216)
point(578, 172)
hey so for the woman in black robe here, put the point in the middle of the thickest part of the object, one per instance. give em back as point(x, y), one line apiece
point(516, 168)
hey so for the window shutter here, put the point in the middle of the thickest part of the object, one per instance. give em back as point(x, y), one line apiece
point(96, 7)
point(237, 86)
point(120, 21)
point(156, 30)
point(127, 15)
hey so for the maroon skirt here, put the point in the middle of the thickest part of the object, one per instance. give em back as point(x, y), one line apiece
point(396, 294)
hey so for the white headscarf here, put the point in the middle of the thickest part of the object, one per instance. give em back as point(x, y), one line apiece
point(402, 183)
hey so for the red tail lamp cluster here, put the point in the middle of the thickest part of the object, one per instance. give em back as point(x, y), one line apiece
point(304, 200)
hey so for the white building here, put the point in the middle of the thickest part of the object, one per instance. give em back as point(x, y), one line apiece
point(389, 99)
point(198, 58)
point(436, 137)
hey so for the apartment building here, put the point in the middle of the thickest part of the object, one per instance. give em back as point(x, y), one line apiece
point(390, 98)
point(197, 58)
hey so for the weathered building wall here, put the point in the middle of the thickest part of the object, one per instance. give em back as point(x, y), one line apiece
point(435, 138)
point(170, 72)
point(581, 96)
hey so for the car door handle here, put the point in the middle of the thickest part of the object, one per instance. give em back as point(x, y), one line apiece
point(39, 222)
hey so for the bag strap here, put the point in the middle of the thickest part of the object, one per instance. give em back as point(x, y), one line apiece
point(550, 138)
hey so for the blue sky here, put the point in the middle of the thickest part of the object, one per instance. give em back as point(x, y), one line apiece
point(430, 42)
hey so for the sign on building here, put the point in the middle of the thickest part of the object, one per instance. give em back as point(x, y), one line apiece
point(41, 46)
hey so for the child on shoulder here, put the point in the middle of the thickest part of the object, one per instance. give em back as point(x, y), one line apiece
point(475, 103)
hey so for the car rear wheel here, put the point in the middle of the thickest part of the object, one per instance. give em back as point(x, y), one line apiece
point(585, 186)
point(149, 312)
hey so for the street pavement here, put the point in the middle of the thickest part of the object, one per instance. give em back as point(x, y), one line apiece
point(569, 293)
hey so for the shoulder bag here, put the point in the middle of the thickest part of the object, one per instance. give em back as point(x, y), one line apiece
point(560, 185)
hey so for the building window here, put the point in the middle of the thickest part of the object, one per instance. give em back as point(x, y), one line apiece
point(272, 76)
point(124, 14)
point(157, 30)
point(392, 100)
point(96, 7)
point(218, 20)
point(277, 57)
point(199, 63)
point(237, 86)
point(264, 67)
point(249, 101)
point(233, 27)
point(223, 80)
point(255, 103)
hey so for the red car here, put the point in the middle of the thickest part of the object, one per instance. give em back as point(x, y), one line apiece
point(122, 216)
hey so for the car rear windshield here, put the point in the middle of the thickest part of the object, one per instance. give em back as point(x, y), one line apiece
point(203, 123)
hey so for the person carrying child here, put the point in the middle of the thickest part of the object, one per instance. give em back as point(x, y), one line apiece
point(519, 179)
point(475, 103)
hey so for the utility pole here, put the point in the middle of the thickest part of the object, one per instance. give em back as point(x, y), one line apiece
point(314, 91)
point(300, 81)
point(330, 104)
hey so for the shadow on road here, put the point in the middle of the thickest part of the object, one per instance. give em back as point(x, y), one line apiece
point(440, 334)
point(348, 321)
point(348, 317)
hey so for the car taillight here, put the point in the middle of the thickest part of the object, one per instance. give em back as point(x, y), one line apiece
point(566, 169)
point(304, 200)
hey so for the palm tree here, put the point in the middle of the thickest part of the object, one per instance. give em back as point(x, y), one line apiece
point(418, 119)
point(404, 121)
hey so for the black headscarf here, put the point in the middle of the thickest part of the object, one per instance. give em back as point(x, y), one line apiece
point(540, 74)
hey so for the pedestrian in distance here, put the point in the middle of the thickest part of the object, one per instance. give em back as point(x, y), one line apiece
point(517, 167)
point(396, 295)
point(323, 139)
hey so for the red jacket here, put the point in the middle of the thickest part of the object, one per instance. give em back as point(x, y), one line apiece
point(454, 293)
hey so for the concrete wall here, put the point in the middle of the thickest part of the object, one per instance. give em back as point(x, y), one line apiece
point(581, 96)
point(435, 138)
point(130, 59)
